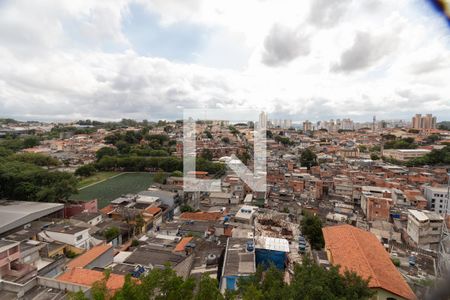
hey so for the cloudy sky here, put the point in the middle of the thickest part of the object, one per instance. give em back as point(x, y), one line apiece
point(317, 59)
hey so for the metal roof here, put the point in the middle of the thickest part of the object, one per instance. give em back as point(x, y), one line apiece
point(14, 214)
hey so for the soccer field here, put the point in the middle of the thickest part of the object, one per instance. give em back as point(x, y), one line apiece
point(112, 188)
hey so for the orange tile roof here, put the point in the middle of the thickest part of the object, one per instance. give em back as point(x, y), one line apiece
point(228, 231)
point(89, 277)
point(201, 216)
point(107, 209)
point(360, 251)
point(182, 244)
point(153, 210)
point(87, 257)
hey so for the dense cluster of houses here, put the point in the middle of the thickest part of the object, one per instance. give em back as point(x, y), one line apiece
point(373, 212)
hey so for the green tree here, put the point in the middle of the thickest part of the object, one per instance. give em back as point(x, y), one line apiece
point(207, 289)
point(123, 147)
point(208, 134)
point(106, 151)
point(5, 152)
point(177, 174)
point(26, 181)
point(206, 154)
point(85, 170)
point(36, 159)
point(160, 177)
point(308, 158)
point(373, 156)
point(310, 281)
point(186, 208)
point(111, 233)
point(312, 229)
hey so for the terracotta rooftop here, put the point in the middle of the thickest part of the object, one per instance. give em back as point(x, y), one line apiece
point(87, 257)
point(182, 244)
point(360, 251)
point(89, 277)
point(152, 210)
point(201, 216)
point(107, 209)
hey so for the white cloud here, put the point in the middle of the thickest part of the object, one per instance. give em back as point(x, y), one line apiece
point(71, 59)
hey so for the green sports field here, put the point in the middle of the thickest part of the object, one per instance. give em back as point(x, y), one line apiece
point(114, 187)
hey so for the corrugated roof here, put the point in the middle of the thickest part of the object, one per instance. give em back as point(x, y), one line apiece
point(360, 251)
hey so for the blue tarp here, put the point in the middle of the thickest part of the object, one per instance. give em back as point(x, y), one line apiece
point(266, 257)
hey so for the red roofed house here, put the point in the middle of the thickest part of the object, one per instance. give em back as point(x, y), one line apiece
point(201, 216)
point(360, 251)
point(89, 277)
point(98, 256)
point(180, 247)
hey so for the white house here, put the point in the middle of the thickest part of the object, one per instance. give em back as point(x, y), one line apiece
point(71, 235)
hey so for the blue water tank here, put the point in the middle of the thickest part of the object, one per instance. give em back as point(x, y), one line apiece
point(250, 246)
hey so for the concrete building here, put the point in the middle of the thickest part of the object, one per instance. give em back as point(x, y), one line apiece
point(423, 122)
point(220, 198)
point(424, 228)
point(239, 262)
point(78, 237)
point(307, 126)
point(246, 214)
point(437, 198)
point(375, 202)
point(405, 154)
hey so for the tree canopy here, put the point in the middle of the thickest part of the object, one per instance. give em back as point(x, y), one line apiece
point(309, 281)
point(25, 181)
point(312, 229)
point(308, 158)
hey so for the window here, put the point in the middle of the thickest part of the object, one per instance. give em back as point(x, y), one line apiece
point(79, 237)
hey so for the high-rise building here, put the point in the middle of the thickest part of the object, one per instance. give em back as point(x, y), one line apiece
point(307, 126)
point(263, 120)
point(423, 122)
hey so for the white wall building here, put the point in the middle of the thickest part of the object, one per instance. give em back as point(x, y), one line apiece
point(437, 198)
point(424, 228)
point(71, 235)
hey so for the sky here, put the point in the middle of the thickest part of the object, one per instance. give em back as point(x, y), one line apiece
point(63, 60)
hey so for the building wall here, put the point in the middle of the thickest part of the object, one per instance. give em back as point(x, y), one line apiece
point(71, 239)
point(437, 199)
point(378, 209)
point(382, 294)
point(425, 235)
point(103, 260)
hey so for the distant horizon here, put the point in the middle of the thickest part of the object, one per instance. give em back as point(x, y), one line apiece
point(298, 122)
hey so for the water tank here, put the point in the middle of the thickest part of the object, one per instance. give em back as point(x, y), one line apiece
point(211, 259)
point(250, 246)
